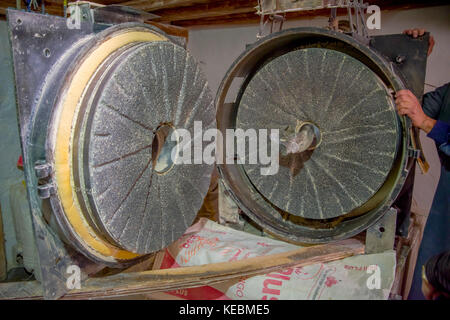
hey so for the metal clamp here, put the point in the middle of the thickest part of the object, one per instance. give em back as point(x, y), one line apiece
point(414, 153)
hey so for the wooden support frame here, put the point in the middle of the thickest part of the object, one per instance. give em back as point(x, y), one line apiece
point(134, 283)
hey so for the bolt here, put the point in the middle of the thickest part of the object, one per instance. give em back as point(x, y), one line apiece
point(400, 59)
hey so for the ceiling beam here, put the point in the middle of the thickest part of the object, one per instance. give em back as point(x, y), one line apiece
point(54, 7)
point(213, 12)
point(171, 29)
point(151, 5)
point(250, 17)
point(214, 9)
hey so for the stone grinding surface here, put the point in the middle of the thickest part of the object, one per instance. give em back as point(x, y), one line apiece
point(355, 114)
point(141, 210)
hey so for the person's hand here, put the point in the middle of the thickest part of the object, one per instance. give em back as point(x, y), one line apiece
point(407, 104)
point(418, 33)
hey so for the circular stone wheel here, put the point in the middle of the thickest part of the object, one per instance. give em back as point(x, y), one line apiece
point(138, 198)
point(355, 114)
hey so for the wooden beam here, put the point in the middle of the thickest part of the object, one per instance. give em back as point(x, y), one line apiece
point(149, 5)
point(214, 9)
point(4, 4)
point(3, 270)
point(125, 284)
point(251, 18)
point(54, 8)
point(171, 29)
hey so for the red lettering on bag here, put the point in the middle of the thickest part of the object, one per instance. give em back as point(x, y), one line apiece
point(266, 288)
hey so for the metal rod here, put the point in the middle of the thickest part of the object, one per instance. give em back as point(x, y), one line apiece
point(350, 18)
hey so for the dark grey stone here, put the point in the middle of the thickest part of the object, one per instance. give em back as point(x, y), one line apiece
point(356, 117)
point(139, 209)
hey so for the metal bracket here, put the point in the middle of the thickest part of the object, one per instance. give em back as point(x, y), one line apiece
point(414, 153)
point(276, 10)
point(381, 236)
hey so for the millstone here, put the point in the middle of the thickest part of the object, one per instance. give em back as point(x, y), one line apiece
point(151, 88)
point(356, 117)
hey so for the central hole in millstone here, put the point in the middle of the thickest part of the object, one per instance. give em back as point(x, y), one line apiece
point(307, 136)
point(162, 147)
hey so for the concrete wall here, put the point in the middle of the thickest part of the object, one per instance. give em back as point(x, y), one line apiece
point(217, 47)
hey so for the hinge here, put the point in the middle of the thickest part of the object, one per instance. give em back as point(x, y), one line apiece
point(45, 188)
point(42, 169)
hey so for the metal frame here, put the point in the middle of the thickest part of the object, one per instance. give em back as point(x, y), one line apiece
point(268, 10)
point(41, 57)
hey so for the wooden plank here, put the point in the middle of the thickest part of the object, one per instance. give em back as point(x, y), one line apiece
point(402, 256)
point(163, 4)
point(215, 9)
point(50, 8)
point(252, 18)
point(171, 29)
point(213, 12)
point(414, 240)
point(125, 284)
point(2, 250)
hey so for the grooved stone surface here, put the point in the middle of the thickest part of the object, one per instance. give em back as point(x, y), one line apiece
point(355, 114)
point(141, 210)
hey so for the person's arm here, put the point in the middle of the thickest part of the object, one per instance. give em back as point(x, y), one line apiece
point(432, 101)
point(439, 131)
point(441, 135)
point(407, 104)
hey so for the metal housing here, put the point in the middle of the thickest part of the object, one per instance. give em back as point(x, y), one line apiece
point(269, 217)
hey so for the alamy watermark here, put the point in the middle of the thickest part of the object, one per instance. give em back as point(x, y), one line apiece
point(74, 279)
point(374, 281)
point(238, 146)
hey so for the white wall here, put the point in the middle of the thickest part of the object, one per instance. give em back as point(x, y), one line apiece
point(217, 47)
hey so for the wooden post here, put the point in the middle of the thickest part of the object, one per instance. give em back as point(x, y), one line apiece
point(2, 251)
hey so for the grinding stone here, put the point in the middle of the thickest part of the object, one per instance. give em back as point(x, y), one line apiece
point(355, 114)
point(138, 209)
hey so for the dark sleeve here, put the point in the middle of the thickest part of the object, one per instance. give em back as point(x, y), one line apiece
point(432, 101)
point(441, 135)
